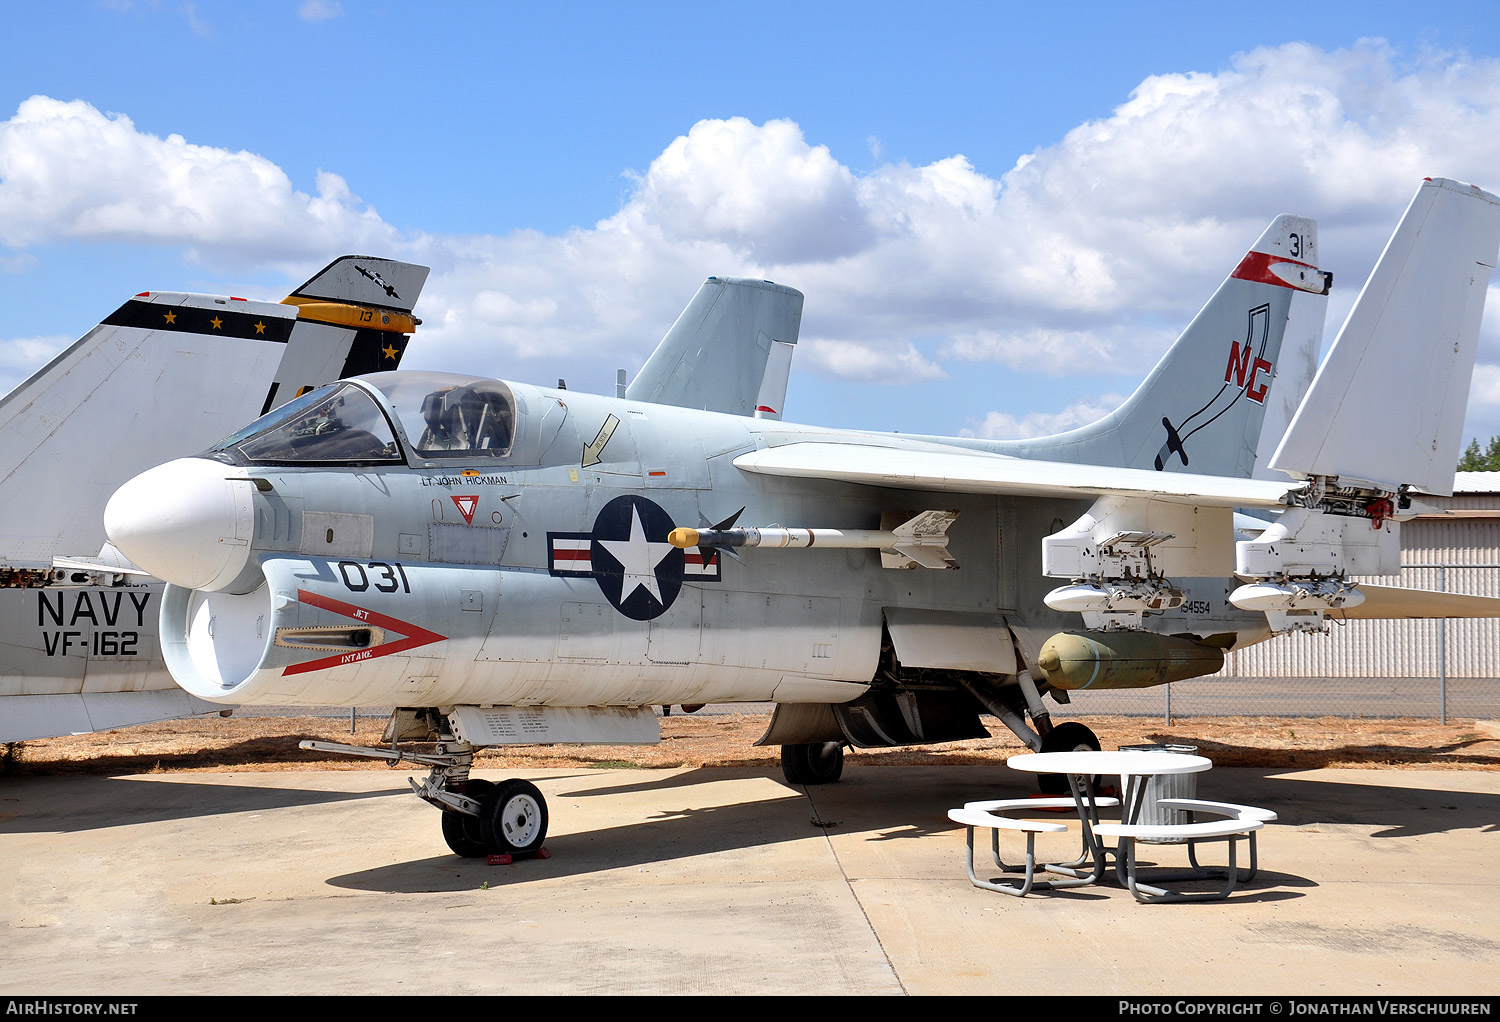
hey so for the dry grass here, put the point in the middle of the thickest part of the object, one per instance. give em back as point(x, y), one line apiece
point(270, 744)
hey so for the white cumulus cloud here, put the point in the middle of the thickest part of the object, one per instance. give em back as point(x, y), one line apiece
point(68, 171)
point(850, 360)
point(320, 10)
point(1000, 426)
point(22, 356)
point(1087, 254)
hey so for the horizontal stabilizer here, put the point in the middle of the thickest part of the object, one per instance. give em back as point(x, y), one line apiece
point(1395, 602)
point(109, 561)
point(29, 717)
point(1387, 407)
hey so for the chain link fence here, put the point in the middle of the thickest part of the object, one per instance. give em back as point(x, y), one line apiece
point(1400, 668)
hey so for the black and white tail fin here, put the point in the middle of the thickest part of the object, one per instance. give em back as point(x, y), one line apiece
point(729, 351)
point(1202, 408)
point(353, 317)
point(164, 376)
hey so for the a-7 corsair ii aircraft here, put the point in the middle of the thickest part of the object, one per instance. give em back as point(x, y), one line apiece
point(516, 564)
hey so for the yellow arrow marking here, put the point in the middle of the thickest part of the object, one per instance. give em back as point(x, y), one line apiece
point(592, 452)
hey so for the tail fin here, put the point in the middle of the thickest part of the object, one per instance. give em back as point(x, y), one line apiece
point(1387, 407)
point(353, 317)
point(729, 351)
point(164, 376)
point(1202, 408)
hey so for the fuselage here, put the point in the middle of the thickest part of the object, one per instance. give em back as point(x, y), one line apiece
point(422, 539)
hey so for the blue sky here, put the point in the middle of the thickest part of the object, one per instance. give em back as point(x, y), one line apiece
point(1000, 214)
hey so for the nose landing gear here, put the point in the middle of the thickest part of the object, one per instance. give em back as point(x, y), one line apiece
point(480, 818)
point(513, 819)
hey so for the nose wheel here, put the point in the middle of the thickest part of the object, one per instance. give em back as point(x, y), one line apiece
point(461, 830)
point(513, 819)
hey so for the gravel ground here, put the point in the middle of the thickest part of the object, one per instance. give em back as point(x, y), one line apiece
point(241, 743)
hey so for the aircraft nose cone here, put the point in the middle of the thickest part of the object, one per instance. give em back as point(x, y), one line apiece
point(184, 522)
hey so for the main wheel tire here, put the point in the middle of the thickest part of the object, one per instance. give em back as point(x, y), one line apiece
point(462, 831)
point(1069, 736)
point(514, 819)
point(817, 763)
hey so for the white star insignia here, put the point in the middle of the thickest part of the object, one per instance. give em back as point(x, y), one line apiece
point(639, 557)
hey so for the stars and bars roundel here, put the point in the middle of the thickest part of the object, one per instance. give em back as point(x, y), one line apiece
point(628, 555)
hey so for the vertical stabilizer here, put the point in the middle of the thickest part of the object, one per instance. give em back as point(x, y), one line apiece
point(1387, 407)
point(353, 317)
point(715, 356)
point(165, 375)
point(1301, 348)
point(366, 280)
point(1202, 408)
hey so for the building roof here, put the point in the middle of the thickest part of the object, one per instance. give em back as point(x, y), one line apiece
point(1476, 482)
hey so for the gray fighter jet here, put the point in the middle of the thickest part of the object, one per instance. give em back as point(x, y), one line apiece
point(515, 564)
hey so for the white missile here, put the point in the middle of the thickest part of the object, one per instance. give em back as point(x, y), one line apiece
point(923, 539)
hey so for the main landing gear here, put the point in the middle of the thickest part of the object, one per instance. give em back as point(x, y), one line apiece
point(480, 818)
point(1041, 736)
point(1069, 736)
point(815, 763)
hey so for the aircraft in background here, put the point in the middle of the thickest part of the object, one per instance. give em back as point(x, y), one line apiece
point(164, 375)
point(516, 564)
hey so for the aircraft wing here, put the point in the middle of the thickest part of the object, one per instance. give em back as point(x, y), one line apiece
point(965, 472)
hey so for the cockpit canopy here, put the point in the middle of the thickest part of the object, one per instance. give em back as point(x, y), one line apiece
point(442, 417)
point(338, 423)
point(447, 416)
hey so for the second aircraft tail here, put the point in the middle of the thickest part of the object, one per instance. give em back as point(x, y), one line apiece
point(168, 373)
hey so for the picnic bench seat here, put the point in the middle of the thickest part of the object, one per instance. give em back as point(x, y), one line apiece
point(1230, 830)
point(985, 814)
point(1194, 806)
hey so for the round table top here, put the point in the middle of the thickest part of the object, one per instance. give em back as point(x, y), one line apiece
point(1130, 761)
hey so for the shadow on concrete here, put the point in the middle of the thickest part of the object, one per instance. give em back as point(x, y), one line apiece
point(896, 804)
point(877, 804)
point(78, 804)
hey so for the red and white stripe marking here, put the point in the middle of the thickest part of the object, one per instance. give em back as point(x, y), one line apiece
point(571, 556)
